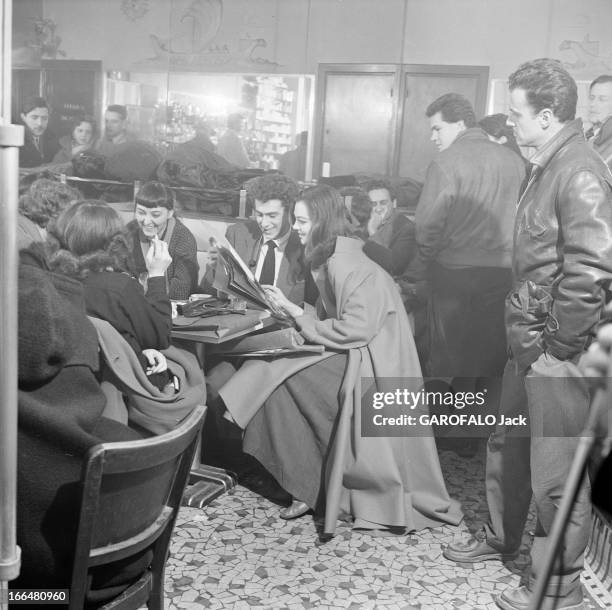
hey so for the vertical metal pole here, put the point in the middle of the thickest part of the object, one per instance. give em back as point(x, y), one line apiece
point(11, 137)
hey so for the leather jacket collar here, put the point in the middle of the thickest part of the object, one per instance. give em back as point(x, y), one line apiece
point(570, 130)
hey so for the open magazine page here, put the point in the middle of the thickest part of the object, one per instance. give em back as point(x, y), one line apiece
point(233, 276)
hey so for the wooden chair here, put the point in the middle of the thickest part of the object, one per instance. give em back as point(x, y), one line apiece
point(131, 493)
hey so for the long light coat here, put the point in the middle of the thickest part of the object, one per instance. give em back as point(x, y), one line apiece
point(379, 480)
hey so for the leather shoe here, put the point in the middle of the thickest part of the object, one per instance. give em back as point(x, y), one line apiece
point(473, 550)
point(297, 509)
point(519, 599)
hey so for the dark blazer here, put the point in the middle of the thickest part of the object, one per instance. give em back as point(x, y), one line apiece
point(30, 156)
point(246, 239)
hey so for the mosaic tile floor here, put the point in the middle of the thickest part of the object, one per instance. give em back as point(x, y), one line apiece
point(236, 553)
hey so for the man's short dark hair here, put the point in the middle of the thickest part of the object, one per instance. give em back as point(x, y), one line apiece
point(118, 109)
point(600, 80)
point(380, 183)
point(274, 186)
point(453, 108)
point(32, 102)
point(547, 84)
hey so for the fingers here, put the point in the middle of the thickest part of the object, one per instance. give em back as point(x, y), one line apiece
point(604, 336)
point(157, 361)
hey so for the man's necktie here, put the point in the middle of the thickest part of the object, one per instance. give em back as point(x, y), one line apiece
point(269, 265)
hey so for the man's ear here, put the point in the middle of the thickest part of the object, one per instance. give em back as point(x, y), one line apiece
point(394, 203)
point(461, 125)
point(23, 117)
point(170, 213)
point(545, 116)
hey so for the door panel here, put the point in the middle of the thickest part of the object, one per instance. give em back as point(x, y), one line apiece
point(357, 123)
point(420, 89)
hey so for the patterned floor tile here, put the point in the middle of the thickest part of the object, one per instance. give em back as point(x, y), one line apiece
point(236, 553)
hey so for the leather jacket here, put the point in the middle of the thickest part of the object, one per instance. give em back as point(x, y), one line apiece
point(562, 262)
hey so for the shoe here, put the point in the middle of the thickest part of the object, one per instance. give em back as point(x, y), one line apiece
point(297, 509)
point(519, 599)
point(474, 550)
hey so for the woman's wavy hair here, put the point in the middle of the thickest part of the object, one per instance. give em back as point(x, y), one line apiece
point(329, 218)
point(45, 199)
point(87, 238)
point(85, 118)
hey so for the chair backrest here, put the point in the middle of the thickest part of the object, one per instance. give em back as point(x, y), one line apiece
point(131, 493)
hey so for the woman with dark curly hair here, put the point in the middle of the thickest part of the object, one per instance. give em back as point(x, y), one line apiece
point(82, 136)
point(302, 416)
point(88, 242)
point(42, 202)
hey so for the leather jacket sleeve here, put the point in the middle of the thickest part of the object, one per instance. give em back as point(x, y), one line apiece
point(432, 212)
point(585, 216)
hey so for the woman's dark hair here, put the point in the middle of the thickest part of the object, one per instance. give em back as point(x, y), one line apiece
point(46, 199)
point(155, 195)
point(88, 237)
point(84, 118)
point(329, 219)
point(496, 125)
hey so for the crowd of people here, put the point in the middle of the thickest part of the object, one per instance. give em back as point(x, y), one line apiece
point(499, 285)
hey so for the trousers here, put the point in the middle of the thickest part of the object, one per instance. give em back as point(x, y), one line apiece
point(536, 460)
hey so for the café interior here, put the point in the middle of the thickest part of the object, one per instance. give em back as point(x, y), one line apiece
point(345, 82)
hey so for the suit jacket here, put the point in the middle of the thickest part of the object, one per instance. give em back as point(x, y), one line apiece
point(245, 238)
point(30, 156)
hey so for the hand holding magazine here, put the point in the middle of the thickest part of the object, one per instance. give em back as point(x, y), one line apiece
point(234, 277)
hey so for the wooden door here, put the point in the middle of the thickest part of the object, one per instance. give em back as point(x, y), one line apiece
point(72, 88)
point(421, 85)
point(356, 108)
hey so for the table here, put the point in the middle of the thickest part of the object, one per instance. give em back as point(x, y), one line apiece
point(209, 482)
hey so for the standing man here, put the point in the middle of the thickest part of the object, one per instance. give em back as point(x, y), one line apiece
point(390, 229)
point(230, 145)
point(600, 115)
point(464, 222)
point(267, 244)
point(39, 145)
point(562, 265)
point(115, 130)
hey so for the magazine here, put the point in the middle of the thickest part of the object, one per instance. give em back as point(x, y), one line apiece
point(234, 277)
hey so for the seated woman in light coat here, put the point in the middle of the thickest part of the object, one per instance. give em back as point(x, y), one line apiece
point(302, 416)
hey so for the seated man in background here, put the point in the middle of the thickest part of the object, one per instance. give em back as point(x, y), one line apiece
point(600, 115)
point(39, 144)
point(268, 245)
point(230, 145)
point(390, 228)
point(293, 162)
point(60, 419)
point(115, 130)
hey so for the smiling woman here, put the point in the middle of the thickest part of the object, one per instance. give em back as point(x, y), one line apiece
point(154, 218)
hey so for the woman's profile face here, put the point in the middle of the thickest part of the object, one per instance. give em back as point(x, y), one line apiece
point(302, 224)
point(152, 221)
point(83, 133)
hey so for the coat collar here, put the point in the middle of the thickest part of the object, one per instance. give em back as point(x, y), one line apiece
point(605, 131)
point(570, 130)
point(348, 245)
